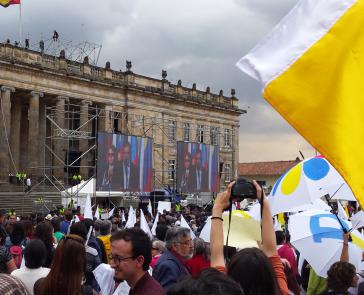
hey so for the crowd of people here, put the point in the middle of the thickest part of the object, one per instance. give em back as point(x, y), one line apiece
point(68, 254)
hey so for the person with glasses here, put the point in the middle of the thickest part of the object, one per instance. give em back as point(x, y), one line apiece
point(108, 173)
point(131, 255)
point(170, 267)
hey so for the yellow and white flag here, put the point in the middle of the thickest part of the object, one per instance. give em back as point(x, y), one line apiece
point(311, 67)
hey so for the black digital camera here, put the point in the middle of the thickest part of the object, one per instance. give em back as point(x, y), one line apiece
point(243, 189)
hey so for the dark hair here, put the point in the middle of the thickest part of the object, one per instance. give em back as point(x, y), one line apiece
point(105, 227)
point(3, 236)
point(44, 231)
point(280, 237)
point(252, 269)
point(17, 235)
point(88, 222)
point(141, 244)
point(28, 227)
point(56, 223)
point(79, 229)
point(209, 282)
point(35, 254)
point(160, 231)
point(340, 276)
point(2, 212)
point(67, 268)
point(68, 215)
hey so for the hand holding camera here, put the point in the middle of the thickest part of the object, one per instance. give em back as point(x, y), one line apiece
point(244, 189)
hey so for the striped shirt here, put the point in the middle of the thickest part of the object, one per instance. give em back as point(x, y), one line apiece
point(12, 286)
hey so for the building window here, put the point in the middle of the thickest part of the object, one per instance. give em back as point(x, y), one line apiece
point(172, 131)
point(186, 131)
point(213, 135)
point(200, 133)
point(116, 122)
point(227, 137)
point(227, 172)
point(171, 169)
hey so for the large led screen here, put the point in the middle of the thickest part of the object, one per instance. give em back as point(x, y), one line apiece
point(197, 167)
point(124, 163)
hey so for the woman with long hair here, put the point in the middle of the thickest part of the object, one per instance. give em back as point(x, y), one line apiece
point(258, 271)
point(44, 232)
point(67, 270)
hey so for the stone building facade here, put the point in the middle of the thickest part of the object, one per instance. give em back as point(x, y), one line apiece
point(52, 107)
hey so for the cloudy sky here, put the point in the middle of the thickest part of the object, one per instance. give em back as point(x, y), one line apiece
point(195, 40)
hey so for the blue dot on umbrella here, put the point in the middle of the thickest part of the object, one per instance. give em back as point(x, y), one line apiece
point(316, 168)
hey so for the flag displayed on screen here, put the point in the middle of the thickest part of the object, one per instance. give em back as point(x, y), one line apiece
point(197, 167)
point(124, 163)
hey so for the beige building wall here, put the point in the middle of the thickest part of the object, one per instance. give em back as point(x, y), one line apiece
point(135, 104)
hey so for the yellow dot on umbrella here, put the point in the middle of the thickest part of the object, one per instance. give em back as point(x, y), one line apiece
point(291, 180)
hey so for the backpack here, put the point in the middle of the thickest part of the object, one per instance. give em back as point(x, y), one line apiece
point(17, 254)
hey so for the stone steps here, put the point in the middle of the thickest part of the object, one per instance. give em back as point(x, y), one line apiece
point(25, 203)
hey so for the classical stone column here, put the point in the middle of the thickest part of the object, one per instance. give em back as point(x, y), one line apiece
point(15, 142)
point(84, 143)
point(108, 119)
point(59, 142)
point(24, 127)
point(42, 135)
point(33, 134)
point(5, 124)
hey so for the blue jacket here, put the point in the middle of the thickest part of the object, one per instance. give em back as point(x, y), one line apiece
point(64, 226)
point(169, 270)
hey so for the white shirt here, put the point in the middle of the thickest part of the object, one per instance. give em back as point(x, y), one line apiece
point(29, 276)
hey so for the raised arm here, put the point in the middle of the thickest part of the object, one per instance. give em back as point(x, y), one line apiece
point(345, 251)
point(269, 243)
point(217, 235)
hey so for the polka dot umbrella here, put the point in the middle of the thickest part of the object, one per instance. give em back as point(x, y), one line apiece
point(307, 181)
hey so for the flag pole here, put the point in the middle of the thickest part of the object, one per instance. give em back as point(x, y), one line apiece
point(20, 26)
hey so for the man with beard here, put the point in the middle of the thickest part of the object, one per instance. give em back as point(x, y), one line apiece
point(170, 267)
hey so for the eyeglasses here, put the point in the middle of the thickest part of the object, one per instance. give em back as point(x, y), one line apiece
point(154, 248)
point(188, 242)
point(118, 259)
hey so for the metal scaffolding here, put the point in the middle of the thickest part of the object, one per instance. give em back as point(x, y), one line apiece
point(63, 156)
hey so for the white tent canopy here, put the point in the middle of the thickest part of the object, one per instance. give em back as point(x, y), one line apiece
point(89, 187)
point(79, 192)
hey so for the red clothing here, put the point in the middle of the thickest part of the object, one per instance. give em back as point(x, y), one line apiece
point(147, 285)
point(280, 275)
point(287, 252)
point(196, 264)
point(154, 260)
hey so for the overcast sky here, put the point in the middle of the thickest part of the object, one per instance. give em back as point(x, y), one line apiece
point(197, 41)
